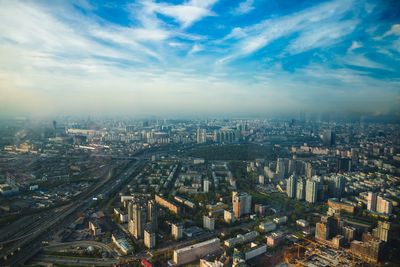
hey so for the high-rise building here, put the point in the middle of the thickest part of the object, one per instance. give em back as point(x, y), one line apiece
point(382, 231)
point(241, 203)
point(149, 238)
point(383, 205)
point(224, 136)
point(336, 185)
point(201, 136)
point(138, 221)
point(311, 191)
point(300, 190)
point(208, 223)
point(371, 201)
point(309, 171)
point(329, 138)
point(177, 230)
point(344, 165)
point(291, 184)
point(152, 214)
point(229, 217)
point(282, 167)
point(206, 186)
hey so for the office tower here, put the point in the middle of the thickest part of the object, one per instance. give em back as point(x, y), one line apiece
point(325, 229)
point(336, 185)
point(383, 205)
point(206, 186)
point(177, 230)
point(309, 171)
point(344, 165)
point(282, 167)
point(300, 190)
point(137, 223)
point(349, 233)
point(201, 136)
point(311, 191)
point(291, 184)
point(292, 166)
point(149, 238)
point(224, 136)
point(371, 201)
point(329, 138)
point(241, 203)
point(208, 223)
point(152, 214)
point(382, 231)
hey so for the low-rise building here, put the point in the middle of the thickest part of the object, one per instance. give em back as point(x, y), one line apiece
point(194, 252)
point(275, 239)
point(254, 250)
point(267, 226)
point(241, 239)
point(122, 244)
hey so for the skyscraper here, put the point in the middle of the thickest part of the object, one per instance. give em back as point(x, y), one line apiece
point(177, 230)
point(201, 136)
point(329, 138)
point(311, 191)
point(138, 221)
point(149, 238)
point(371, 201)
point(291, 184)
point(206, 186)
point(152, 214)
point(241, 203)
point(383, 205)
point(300, 190)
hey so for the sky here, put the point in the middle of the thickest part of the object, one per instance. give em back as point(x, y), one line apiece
point(199, 57)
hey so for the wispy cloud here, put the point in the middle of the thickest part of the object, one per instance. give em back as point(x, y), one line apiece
point(244, 7)
point(185, 14)
point(316, 25)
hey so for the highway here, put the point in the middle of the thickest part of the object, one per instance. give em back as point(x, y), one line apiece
point(16, 250)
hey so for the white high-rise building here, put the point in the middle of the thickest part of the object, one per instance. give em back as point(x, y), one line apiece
point(208, 223)
point(291, 184)
point(311, 191)
point(177, 231)
point(206, 186)
point(383, 205)
point(300, 190)
point(201, 136)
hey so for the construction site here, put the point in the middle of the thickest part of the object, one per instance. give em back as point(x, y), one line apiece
point(307, 252)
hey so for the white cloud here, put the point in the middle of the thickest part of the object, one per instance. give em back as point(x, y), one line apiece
point(355, 45)
point(244, 7)
point(195, 49)
point(322, 19)
point(394, 30)
point(321, 36)
point(187, 13)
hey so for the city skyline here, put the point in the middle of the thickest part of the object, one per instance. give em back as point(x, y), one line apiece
point(205, 57)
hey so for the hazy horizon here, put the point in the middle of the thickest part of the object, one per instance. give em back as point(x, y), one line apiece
point(199, 58)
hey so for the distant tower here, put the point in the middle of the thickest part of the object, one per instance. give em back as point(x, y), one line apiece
point(291, 184)
point(55, 128)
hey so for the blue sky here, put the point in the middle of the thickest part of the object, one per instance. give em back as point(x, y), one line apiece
point(211, 57)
